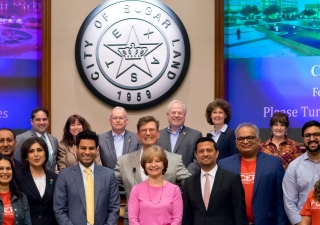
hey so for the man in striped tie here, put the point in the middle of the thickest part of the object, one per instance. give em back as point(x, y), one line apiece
point(213, 195)
point(86, 193)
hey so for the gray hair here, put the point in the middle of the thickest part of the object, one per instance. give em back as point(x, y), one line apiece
point(177, 101)
point(256, 129)
point(119, 108)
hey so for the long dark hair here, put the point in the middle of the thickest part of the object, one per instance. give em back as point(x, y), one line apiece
point(67, 137)
point(14, 188)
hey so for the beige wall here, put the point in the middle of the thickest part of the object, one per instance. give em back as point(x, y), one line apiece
point(69, 94)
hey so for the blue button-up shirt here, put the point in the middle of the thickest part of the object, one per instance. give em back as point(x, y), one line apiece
point(118, 143)
point(174, 137)
point(299, 179)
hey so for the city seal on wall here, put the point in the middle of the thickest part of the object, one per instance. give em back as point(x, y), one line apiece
point(132, 53)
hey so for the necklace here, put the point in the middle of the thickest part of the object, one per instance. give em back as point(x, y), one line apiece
point(160, 196)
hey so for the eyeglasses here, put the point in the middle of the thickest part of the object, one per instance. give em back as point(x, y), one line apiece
point(248, 138)
point(315, 135)
point(151, 130)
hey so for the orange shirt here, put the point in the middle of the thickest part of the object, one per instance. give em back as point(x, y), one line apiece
point(248, 171)
point(311, 208)
point(8, 215)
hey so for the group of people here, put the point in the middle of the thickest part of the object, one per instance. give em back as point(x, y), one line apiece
point(169, 176)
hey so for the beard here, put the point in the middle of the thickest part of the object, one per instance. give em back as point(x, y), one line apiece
point(312, 150)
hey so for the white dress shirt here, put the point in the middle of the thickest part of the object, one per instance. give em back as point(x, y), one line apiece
point(212, 175)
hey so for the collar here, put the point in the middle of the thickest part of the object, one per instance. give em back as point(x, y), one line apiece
point(286, 140)
point(82, 167)
point(39, 135)
point(120, 135)
point(178, 131)
point(223, 129)
point(211, 172)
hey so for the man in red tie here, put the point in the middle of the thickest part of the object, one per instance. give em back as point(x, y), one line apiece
point(213, 195)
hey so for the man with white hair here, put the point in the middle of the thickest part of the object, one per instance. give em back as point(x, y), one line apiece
point(178, 138)
point(117, 141)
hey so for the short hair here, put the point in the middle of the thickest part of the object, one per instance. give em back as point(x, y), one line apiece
point(256, 129)
point(218, 103)
point(26, 147)
point(308, 124)
point(87, 135)
point(14, 188)
point(151, 152)
point(67, 137)
point(279, 117)
point(205, 139)
point(316, 193)
point(119, 108)
point(33, 112)
point(179, 102)
point(147, 119)
point(4, 128)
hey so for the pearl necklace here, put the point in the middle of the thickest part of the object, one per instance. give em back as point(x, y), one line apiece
point(160, 196)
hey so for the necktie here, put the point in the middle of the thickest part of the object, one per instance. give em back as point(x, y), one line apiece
point(89, 196)
point(206, 192)
point(49, 153)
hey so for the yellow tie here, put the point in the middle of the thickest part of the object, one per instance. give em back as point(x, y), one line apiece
point(89, 196)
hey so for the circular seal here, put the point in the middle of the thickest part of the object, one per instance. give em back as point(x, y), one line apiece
point(132, 53)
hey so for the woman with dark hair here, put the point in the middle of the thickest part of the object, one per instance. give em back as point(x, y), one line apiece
point(218, 114)
point(311, 210)
point(36, 182)
point(155, 200)
point(67, 155)
point(14, 208)
point(279, 144)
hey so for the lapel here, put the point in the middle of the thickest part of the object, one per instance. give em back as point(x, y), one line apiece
point(236, 167)
point(126, 142)
point(166, 139)
point(198, 192)
point(135, 163)
point(28, 180)
point(48, 193)
point(52, 143)
point(97, 182)
point(216, 185)
point(221, 138)
point(110, 146)
point(73, 150)
point(77, 174)
point(33, 133)
point(182, 135)
point(261, 161)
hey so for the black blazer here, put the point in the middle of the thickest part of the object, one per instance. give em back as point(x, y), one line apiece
point(226, 144)
point(226, 205)
point(41, 209)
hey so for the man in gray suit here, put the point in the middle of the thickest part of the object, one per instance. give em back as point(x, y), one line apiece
point(178, 138)
point(117, 141)
point(40, 122)
point(77, 199)
point(128, 170)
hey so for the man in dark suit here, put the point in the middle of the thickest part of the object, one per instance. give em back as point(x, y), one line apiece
point(8, 144)
point(40, 122)
point(261, 176)
point(118, 141)
point(213, 195)
point(128, 170)
point(80, 201)
point(178, 138)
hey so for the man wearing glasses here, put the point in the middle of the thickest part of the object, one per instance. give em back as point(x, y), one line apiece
point(261, 177)
point(302, 173)
point(118, 141)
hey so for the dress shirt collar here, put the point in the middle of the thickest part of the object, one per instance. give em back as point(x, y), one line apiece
point(91, 167)
point(223, 129)
point(115, 135)
point(39, 135)
point(178, 131)
point(211, 172)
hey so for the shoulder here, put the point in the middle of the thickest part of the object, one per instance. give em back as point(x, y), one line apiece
point(26, 134)
point(226, 172)
point(67, 171)
point(229, 159)
point(104, 135)
point(103, 169)
point(139, 188)
point(164, 130)
point(192, 131)
point(172, 156)
point(292, 142)
point(130, 133)
point(296, 162)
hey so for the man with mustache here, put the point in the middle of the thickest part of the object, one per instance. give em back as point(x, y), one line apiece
point(302, 173)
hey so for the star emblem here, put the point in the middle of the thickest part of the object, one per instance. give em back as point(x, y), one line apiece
point(133, 53)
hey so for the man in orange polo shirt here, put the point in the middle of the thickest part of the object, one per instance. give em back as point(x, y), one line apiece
point(261, 176)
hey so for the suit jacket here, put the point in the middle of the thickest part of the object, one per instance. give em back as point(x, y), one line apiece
point(267, 201)
point(69, 202)
point(226, 205)
point(41, 209)
point(21, 138)
point(185, 145)
point(226, 144)
point(107, 150)
point(67, 156)
point(128, 171)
